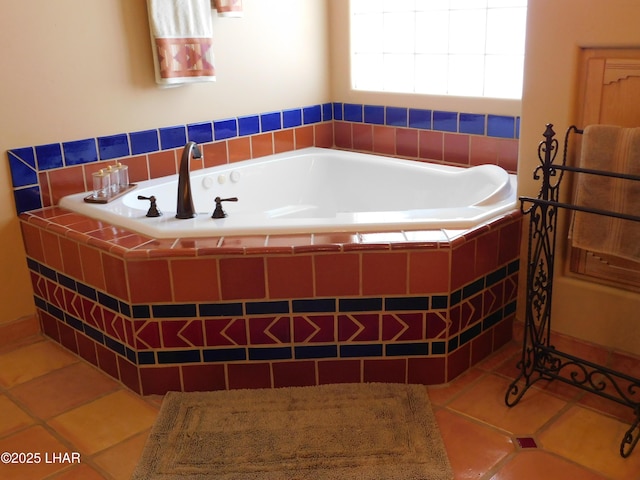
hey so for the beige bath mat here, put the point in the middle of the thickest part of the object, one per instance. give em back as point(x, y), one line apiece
point(338, 432)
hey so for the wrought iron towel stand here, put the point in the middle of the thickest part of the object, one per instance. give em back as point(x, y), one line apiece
point(540, 359)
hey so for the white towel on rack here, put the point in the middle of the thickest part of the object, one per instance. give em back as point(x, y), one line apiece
point(614, 149)
point(182, 40)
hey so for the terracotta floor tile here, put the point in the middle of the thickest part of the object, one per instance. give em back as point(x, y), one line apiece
point(105, 421)
point(591, 439)
point(485, 401)
point(537, 464)
point(12, 417)
point(472, 448)
point(36, 440)
point(63, 389)
point(442, 394)
point(121, 460)
point(31, 361)
point(80, 472)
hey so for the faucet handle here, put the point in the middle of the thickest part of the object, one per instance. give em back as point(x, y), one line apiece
point(153, 208)
point(218, 212)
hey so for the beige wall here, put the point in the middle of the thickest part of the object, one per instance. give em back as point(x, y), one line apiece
point(556, 30)
point(74, 69)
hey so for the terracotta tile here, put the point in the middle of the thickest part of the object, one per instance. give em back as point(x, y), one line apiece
point(339, 371)
point(593, 440)
point(66, 181)
point(121, 460)
point(71, 263)
point(385, 370)
point(363, 137)
point(384, 140)
point(483, 150)
point(290, 276)
point(162, 164)
point(82, 471)
point(239, 149)
point(487, 253)
point(195, 280)
point(342, 134)
point(32, 241)
point(149, 281)
point(257, 375)
point(160, 380)
point(337, 274)
point(261, 145)
point(13, 418)
point(426, 371)
point(242, 278)
point(63, 389)
point(431, 145)
point(304, 136)
point(197, 378)
point(324, 135)
point(31, 361)
point(51, 247)
point(407, 142)
point(456, 148)
point(23, 329)
point(429, 271)
point(485, 402)
point(442, 394)
point(384, 273)
point(537, 464)
point(215, 154)
point(463, 264)
point(334, 238)
point(105, 422)
point(508, 154)
point(289, 240)
point(476, 451)
point(114, 276)
point(283, 141)
point(92, 271)
point(294, 374)
point(33, 439)
point(138, 168)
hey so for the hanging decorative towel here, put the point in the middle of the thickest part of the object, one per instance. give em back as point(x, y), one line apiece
point(229, 8)
point(181, 39)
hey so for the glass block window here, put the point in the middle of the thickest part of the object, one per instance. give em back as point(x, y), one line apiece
point(439, 47)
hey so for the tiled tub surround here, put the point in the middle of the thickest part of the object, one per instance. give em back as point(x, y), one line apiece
point(249, 312)
point(43, 174)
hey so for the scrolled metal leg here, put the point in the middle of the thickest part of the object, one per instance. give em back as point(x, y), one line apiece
point(631, 437)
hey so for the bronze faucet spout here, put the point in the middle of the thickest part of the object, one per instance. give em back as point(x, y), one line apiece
point(185, 208)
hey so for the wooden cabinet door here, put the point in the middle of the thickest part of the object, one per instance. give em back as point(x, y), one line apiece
point(609, 93)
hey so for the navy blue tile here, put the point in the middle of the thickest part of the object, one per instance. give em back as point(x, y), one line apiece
point(87, 291)
point(259, 308)
point(312, 114)
point(470, 333)
point(291, 118)
point(68, 282)
point(22, 174)
point(220, 309)
point(248, 125)
point(141, 311)
point(314, 305)
point(517, 127)
point(406, 303)
point(407, 349)
point(327, 112)
point(79, 152)
point(50, 273)
point(55, 311)
point(179, 356)
point(473, 288)
point(114, 345)
point(145, 141)
point(186, 310)
point(73, 322)
point(200, 132)
point(33, 265)
point(316, 351)
point(27, 199)
point(495, 277)
point(438, 348)
point(373, 350)
point(131, 355)
point(146, 358)
point(455, 297)
point(501, 126)
point(172, 137)
point(94, 333)
point(353, 112)
point(419, 118)
point(223, 129)
point(49, 156)
point(438, 302)
point(114, 146)
point(337, 111)
point(513, 267)
point(492, 320)
point(40, 303)
point(224, 355)
point(374, 114)
point(270, 121)
point(125, 309)
point(453, 344)
point(471, 123)
point(360, 304)
point(445, 121)
point(397, 116)
point(270, 353)
point(108, 301)
point(510, 308)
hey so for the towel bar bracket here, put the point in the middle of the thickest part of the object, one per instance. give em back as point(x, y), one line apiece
point(540, 360)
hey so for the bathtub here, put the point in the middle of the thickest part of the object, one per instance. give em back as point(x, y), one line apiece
point(315, 190)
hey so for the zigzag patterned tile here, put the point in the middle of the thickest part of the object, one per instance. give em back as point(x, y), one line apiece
point(221, 332)
point(403, 326)
point(269, 330)
point(314, 328)
point(359, 328)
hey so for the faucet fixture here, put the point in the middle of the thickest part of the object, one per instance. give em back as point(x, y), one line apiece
point(185, 208)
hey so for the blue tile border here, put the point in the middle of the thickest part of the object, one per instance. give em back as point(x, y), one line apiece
point(288, 350)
